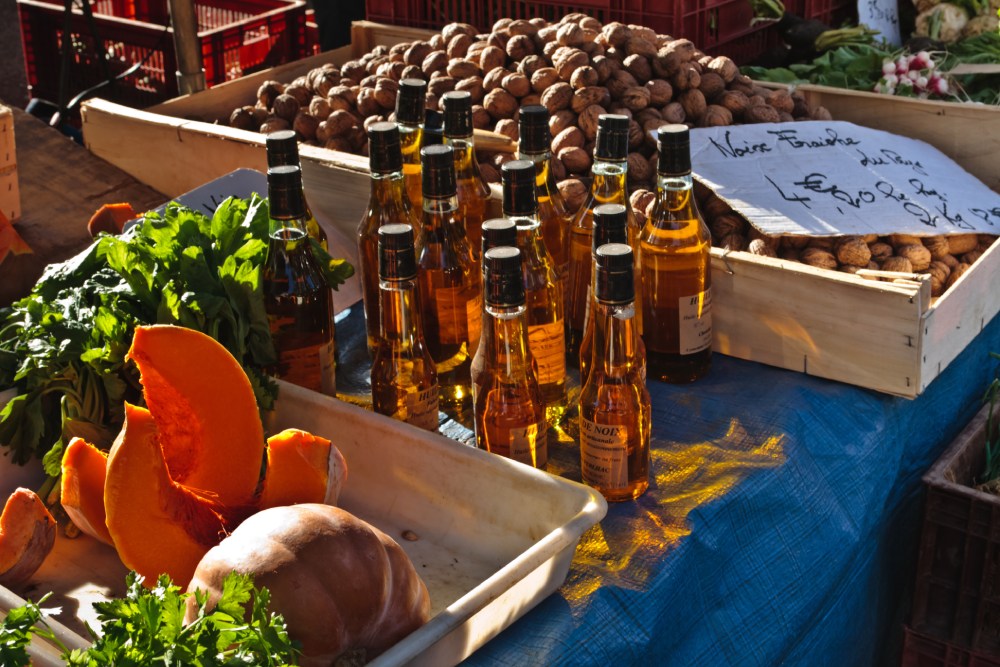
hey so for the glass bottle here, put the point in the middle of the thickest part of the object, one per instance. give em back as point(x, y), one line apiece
point(676, 270)
point(387, 204)
point(610, 226)
point(451, 299)
point(410, 113)
point(297, 299)
point(497, 232)
point(534, 144)
point(403, 377)
point(283, 149)
point(472, 190)
point(615, 417)
point(509, 413)
point(542, 289)
point(609, 173)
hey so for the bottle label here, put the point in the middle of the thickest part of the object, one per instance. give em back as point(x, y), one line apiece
point(420, 408)
point(694, 317)
point(548, 346)
point(604, 454)
point(451, 309)
point(311, 367)
point(529, 445)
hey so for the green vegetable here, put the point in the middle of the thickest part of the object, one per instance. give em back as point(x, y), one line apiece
point(856, 67)
point(991, 397)
point(63, 346)
point(147, 628)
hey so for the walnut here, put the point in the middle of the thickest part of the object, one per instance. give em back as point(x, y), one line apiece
point(822, 242)
point(354, 70)
point(640, 199)
point(583, 77)
point(392, 71)
point(650, 127)
point(818, 258)
point(853, 251)
point(369, 81)
point(460, 68)
point(441, 85)
point(794, 242)
point(880, 250)
point(437, 42)
point(950, 260)
point(243, 119)
point(638, 169)
point(507, 127)
point(641, 47)
point(286, 106)
point(590, 23)
point(522, 27)
point(435, 61)
point(956, 273)
point(571, 137)
point(576, 160)
point(305, 126)
point(543, 79)
point(782, 101)
point(500, 103)
point(517, 85)
point(587, 120)
point(728, 223)
point(674, 113)
point(733, 242)
point(762, 248)
point(367, 104)
point(385, 93)
point(686, 77)
point(480, 117)
point(939, 272)
point(472, 85)
point(716, 116)
point(339, 123)
point(453, 29)
point(557, 97)
point(693, 102)
point(985, 241)
point(821, 113)
point(371, 120)
point(919, 256)
point(639, 67)
point(268, 92)
point(569, 61)
point(636, 98)
point(660, 92)
point(616, 34)
point(711, 85)
point(619, 82)
point(937, 245)
point(531, 99)
point(519, 47)
point(713, 206)
point(896, 264)
point(584, 97)
point(574, 192)
point(457, 47)
point(569, 34)
point(635, 135)
point(338, 144)
point(724, 67)
point(604, 67)
point(898, 240)
point(561, 120)
point(501, 24)
point(475, 52)
point(491, 58)
point(494, 79)
point(958, 244)
point(760, 113)
point(972, 256)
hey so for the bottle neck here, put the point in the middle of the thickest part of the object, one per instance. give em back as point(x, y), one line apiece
point(410, 140)
point(675, 193)
point(388, 188)
point(609, 185)
point(287, 214)
point(505, 340)
point(436, 207)
point(616, 341)
point(399, 325)
point(466, 166)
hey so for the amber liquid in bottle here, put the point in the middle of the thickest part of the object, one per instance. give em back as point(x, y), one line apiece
point(297, 299)
point(552, 213)
point(615, 417)
point(387, 204)
point(283, 150)
point(403, 376)
point(472, 191)
point(542, 287)
point(509, 413)
point(450, 282)
point(411, 140)
point(676, 274)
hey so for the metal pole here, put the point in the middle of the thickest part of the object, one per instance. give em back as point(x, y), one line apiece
point(190, 73)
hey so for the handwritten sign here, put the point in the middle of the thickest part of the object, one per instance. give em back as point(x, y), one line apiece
point(829, 177)
point(881, 15)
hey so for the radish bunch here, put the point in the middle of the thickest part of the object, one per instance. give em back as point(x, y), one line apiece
point(913, 75)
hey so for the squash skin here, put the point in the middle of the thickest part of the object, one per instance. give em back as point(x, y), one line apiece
point(340, 583)
point(84, 468)
point(27, 535)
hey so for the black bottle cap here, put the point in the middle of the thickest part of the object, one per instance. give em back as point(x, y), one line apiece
point(615, 274)
point(612, 137)
point(385, 155)
point(396, 256)
point(433, 128)
point(674, 144)
point(284, 192)
point(498, 232)
point(504, 280)
point(410, 102)
point(282, 148)
point(437, 170)
point(457, 105)
point(533, 129)
point(610, 225)
point(519, 197)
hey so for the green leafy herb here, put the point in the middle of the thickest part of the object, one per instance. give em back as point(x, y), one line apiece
point(15, 635)
point(64, 345)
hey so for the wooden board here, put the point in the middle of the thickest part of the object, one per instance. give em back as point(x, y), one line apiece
point(10, 195)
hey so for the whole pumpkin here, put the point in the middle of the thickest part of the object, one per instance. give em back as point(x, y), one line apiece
point(340, 583)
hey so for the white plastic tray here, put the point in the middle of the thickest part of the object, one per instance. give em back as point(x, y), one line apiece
point(494, 537)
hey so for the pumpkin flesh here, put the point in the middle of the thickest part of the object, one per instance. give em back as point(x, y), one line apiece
point(27, 535)
point(84, 468)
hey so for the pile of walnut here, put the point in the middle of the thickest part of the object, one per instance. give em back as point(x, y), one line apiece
point(944, 258)
point(577, 68)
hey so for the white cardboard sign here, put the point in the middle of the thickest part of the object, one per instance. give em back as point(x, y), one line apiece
point(830, 177)
point(881, 15)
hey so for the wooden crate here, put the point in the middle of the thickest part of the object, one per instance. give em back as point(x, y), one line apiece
point(10, 197)
point(884, 336)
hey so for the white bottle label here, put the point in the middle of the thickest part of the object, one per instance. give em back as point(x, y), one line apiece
point(547, 343)
point(695, 321)
point(421, 409)
point(529, 445)
point(604, 454)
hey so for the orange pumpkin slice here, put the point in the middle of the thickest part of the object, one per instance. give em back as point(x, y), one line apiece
point(205, 412)
point(82, 488)
point(301, 468)
point(157, 525)
point(27, 534)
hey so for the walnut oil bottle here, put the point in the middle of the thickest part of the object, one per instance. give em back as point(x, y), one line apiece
point(410, 114)
point(403, 377)
point(387, 204)
point(283, 149)
point(297, 299)
point(610, 226)
point(472, 190)
point(614, 403)
point(610, 171)
point(676, 273)
point(534, 142)
point(451, 299)
point(509, 413)
point(542, 288)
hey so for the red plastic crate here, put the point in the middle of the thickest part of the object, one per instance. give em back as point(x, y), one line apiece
point(834, 13)
point(720, 27)
point(922, 651)
point(237, 37)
